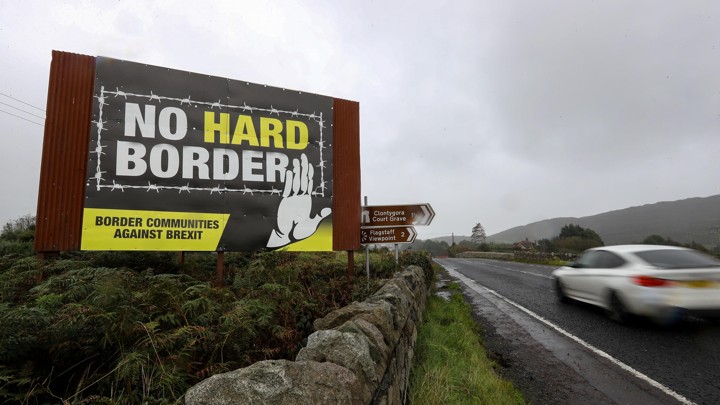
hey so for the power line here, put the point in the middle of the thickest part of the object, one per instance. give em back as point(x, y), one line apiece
point(22, 118)
point(20, 101)
point(20, 109)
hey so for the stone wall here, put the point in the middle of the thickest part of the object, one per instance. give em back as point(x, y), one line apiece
point(543, 256)
point(486, 255)
point(529, 255)
point(359, 354)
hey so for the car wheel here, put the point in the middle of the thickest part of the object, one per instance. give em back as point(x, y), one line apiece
point(617, 311)
point(560, 291)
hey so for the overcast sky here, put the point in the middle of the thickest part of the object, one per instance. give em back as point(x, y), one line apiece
point(499, 112)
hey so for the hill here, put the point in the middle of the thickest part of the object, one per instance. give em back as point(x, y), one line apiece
point(692, 219)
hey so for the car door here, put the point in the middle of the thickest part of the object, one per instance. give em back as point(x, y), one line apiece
point(576, 281)
point(602, 275)
point(592, 274)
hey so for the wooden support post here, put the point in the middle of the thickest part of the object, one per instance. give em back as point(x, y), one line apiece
point(181, 258)
point(351, 265)
point(220, 268)
point(44, 258)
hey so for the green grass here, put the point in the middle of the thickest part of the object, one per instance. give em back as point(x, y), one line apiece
point(450, 365)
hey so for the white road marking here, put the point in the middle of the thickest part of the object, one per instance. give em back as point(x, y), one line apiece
point(475, 287)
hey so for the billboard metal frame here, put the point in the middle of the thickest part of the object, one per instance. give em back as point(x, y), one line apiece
point(63, 176)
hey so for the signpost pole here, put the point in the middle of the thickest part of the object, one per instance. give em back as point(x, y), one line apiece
point(367, 258)
point(391, 224)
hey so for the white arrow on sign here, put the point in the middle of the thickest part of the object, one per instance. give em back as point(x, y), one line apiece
point(393, 215)
point(426, 216)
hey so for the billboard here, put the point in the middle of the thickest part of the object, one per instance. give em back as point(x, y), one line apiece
point(185, 161)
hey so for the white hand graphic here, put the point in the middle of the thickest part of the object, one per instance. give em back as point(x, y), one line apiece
point(294, 221)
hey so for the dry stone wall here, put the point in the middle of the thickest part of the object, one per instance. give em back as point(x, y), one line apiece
point(359, 354)
point(486, 255)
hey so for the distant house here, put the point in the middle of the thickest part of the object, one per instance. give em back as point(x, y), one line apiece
point(524, 245)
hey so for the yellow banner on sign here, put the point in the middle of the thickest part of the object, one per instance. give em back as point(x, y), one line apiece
point(110, 229)
point(320, 241)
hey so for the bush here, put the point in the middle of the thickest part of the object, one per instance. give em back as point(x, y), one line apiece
point(16, 240)
point(15, 248)
point(575, 244)
point(20, 230)
point(422, 259)
point(159, 262)
point(73, 330)
point(382, 263)
point(139, 327)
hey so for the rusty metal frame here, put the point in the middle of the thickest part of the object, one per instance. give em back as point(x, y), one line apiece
point(65, 153)
point(63, 172)
point(346, 175)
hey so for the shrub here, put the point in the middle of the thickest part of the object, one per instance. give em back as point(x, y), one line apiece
point(133, 327)
point(160, 262)
point(421, 259)
point(15, 248)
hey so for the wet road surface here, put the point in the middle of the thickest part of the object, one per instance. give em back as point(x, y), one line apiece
point(558, 353)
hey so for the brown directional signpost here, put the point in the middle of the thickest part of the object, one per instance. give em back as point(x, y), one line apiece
point(393, 223)
point(391, 234)
point(380, 224)
point(393, 215)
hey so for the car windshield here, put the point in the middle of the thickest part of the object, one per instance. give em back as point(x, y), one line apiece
point(678, 259)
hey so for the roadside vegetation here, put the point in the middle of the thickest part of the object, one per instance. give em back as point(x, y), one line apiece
point(557, 251)
point(451, 366)
point(138, 327)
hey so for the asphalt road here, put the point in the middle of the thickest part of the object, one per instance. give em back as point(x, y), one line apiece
point(645, 363)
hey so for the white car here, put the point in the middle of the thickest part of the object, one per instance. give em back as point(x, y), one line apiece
point(663, 283)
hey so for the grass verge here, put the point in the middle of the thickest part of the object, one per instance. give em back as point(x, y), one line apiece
point(451, 366)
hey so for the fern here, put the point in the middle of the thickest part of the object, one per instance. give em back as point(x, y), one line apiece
point(127, 332)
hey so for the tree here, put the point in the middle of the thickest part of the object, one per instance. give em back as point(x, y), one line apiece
point(22, 229)
point(571, 230)
point(546, 245)
point(478, 234)
point(655, 239)
point(574, 238)
point(435, 248)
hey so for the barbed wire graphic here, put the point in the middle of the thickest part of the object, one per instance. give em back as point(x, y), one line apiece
point(102, 183)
